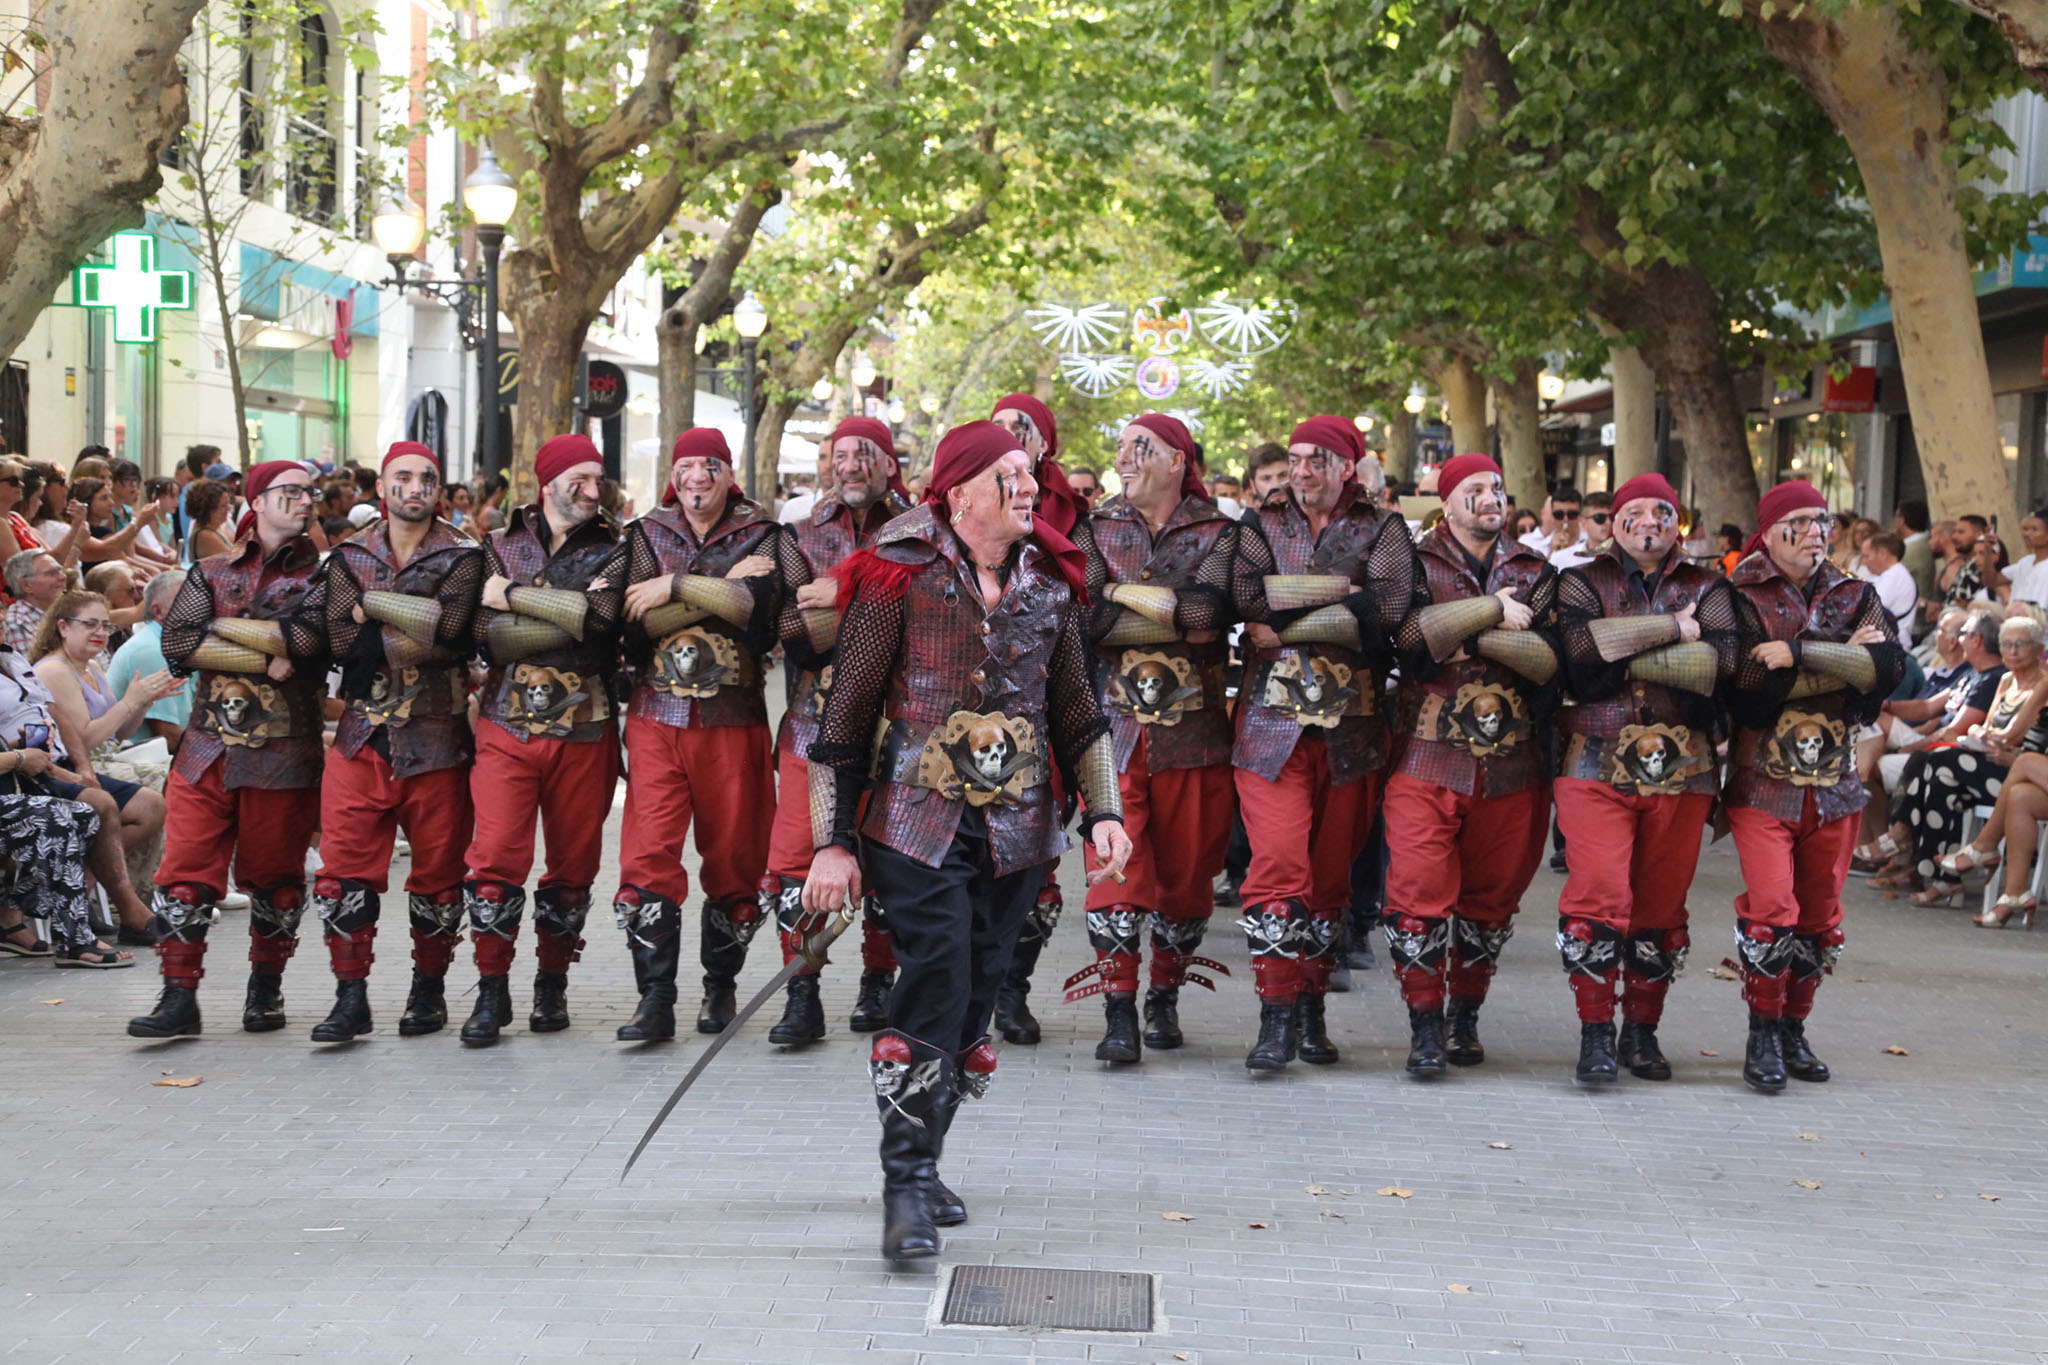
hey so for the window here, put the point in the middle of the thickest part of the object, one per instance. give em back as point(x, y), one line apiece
point(313, 178)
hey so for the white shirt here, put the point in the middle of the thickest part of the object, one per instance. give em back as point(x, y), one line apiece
point(1899, 594)
point(1538, 540)
point(798, 509)
point(1572, 555)
point(1230, 507)
point(2029, 579)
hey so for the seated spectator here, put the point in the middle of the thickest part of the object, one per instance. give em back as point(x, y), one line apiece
point(1950, 699)
point(34, 581)
point(143, 655)
point(66, 658)
point(1524, 523)
point(207, 504)
point(1940, 785)
point(2026, 580)
point(28, 721)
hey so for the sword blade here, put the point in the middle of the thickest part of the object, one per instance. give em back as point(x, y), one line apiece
point(815, 948)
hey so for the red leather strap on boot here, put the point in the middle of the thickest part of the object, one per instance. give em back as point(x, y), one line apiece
point(1799, 993)
point(270, 951)
point(493, 954)
point(182, 963)
point(554, 952)
point(877, 953)
point(1468, 980)
point(1277, 980)
point(1594, 996)
point(1422, 988)
point(351, 954)
point(1642, 999)
point(1169, 969)
point(432, 954)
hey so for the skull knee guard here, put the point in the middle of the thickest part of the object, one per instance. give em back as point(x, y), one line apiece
point(1813, 957)
point(1276, 932)
point(1174, 942)
point(1475, 955)
point(349, 909)
point(436, 929)
point(649, 920)
point(727, 928)
point(782, 899)
point(1766, 953)
point(911, 1078)
point(559, 913)
point(1650, 962)
point(1419, 949)
point(1117, 936)
point(274, 925)
point(494, 909)
point(1318, 936)
point(1591, 953)
point(974, 1069)
point(181, 915)
point(1044, 914)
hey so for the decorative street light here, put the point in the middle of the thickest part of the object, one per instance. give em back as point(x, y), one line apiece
point(491, 196)
point(897, 412)
point(821, 392)
point(1549, 387)
point(863, 371)
point(1363, 422)
point(749, 319)
point(1416, 400)
point(399, 228)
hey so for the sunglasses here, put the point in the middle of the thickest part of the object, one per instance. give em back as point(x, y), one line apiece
point(1599, 518)
point(14, 479)
point(91, 627)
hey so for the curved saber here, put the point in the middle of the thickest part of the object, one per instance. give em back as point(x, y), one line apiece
point(813, 955)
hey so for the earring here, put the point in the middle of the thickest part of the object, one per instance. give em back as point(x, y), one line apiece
point(959, 512)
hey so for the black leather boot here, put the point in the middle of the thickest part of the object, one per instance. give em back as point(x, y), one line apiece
point(948, 1209)
point(1014, 1019)
point(1461, 1027)
point(803, 1018)
point(1162, 1018)
point(654, 938)
point(871, 1006)
point(550, 1002)
point(426, 1006)
point(1120, 1031)
point(1800, 1063)
point(350, 1016)
point(1763, 1063)
point(1638, 1051)
point(912, 1082)
point(1278, 1040)
point(1596, 1055)
point(176, 1016)
point(1426, 1060)
point(718, 1008)
point(725, 928)
point(493, 1012)
point(263, 1006)
point(1316, 1047)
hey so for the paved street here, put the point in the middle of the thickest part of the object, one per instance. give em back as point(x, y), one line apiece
point(408, 1200)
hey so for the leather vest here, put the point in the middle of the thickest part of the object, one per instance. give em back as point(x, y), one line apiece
point(1646, 739)
point(269, 733)
point(828, 537)
point(1491, 709)
point(705, 674)
point(1811, 743)
point(588, 667)
point(1273, 695)
point(1145, 680)
point(425, 709)
point(968, 692)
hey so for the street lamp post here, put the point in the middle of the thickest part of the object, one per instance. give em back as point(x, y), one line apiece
point(749, 319)
point(490, 196)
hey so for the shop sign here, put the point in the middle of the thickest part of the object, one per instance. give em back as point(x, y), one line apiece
point(132, 288)
point(1854, 392)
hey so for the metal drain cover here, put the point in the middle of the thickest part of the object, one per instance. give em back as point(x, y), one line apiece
point(1023, 1296)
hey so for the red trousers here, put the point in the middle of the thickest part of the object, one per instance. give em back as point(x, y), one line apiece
point(789, 842)
point(1792, 872)
point(1632, 857)
point(363, 806)
point(1179, 822)
point(567, 786)
point(729, 767)
point(263, 833)
point(1305, 830)
point(1464, 855)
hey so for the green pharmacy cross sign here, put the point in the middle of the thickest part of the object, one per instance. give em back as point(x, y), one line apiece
point(132, 287)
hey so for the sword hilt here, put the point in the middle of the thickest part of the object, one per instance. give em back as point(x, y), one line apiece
point(816, 945)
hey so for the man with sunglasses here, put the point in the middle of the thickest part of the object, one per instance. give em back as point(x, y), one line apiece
point(244, 789)
point(1596, 533)
point(697, 739)
point(402, 752)
point(1793, 797)
point(547, 750)
point(867, 494)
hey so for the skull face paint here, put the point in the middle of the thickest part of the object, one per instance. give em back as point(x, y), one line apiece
point(702, 484)
point(1797, 543)
point(1317, 476)
point(860, 471)
point(1477, 508)
point(995, 505)
point(1020, 425)
point(1150, 469)
point(411, 488)
point(1647, 529)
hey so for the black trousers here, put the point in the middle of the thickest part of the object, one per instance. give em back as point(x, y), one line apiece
point(954, 927)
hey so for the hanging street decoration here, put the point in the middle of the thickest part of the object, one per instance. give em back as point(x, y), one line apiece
point(132, 288)
point(1104, 346)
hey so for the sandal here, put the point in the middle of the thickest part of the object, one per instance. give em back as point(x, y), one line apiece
point(1900, 879)
point(2007, 909)
point(1880, 848)
point(36, 946)
point(104, 958)
point(1968, 858)
point(1938, 893)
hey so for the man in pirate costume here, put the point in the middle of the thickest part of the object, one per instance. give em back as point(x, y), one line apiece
point(1637, 772)
point(697, 739)
point(1469, 805)
point(1311, 746)
point(1817, 657)
point(867, 494)
point(962, 649)
point(1162, 547)
point(401, 617)
point(245, 785)
point(1059, 506)
point(547, 749)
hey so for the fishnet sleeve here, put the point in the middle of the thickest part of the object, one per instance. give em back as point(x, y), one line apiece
point(792, 571)
point(305, 630)
point(641, 565)
point(185, 625)
point(1251, 560)
point(607, 613)
point(1417, 664)
point(1210, 602)
point(1759, 692)
point(343, 595)
point(1073, 713)
point(1590, 677)
point(1387, 580)
point(1890, 658)
point(870, 641)
point(493, 567)
point(460, 588)
point(1101, 613)
point(1720, 628)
